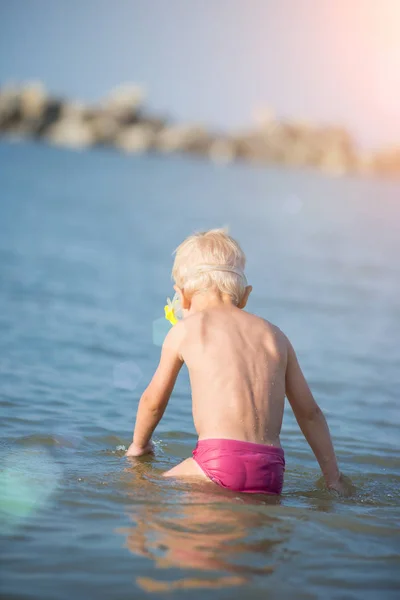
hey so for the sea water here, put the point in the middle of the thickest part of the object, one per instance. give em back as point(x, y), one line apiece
point(85, 258)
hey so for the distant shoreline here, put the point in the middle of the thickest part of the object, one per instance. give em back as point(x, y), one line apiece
point(121, 121)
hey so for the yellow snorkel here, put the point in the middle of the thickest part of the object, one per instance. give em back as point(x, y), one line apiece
point(173, 310)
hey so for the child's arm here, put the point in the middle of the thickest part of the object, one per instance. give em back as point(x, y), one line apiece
point(311, 421)
point(155, 398)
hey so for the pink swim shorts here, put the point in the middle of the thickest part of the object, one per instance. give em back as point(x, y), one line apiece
point(242, 466)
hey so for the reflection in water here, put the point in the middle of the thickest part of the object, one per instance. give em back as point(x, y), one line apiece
point(206, 530)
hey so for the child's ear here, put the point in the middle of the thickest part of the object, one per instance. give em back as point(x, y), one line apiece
point(185, 301)
point(245, 297)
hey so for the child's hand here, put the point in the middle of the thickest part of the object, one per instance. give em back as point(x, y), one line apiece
point(343, 486)
point(135, 450)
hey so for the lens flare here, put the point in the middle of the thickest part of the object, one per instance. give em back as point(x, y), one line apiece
point(27, 481)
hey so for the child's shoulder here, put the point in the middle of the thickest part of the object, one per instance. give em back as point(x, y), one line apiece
point(270, 328)
point(265, 322)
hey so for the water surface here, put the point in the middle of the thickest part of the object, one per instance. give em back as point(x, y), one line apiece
point(85, 258)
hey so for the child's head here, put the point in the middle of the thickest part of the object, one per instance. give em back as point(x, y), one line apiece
point(211, 260)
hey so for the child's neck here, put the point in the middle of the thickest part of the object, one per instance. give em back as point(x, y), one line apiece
point(204, 301)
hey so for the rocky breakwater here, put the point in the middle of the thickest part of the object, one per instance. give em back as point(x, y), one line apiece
point(121, 121)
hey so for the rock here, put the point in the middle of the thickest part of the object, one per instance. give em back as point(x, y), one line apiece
point(135, 138)
point(37, 111)
point(387, 162)
point(180, 138)
point(156, 123)
point(297, 143)
point(335, 151)
point(10, 107)
point(124, 103)
point(334, 162)
point(252, 146)
point(71, 133)
point(298, 153)
point(104, 126)
point(222, 151)
point(33, 101)
point(50, 115)
point(263, 146)
point(364, 163)
point(75, 110)
point(121, 122)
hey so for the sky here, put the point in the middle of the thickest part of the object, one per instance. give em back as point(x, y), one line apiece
point(218, 62)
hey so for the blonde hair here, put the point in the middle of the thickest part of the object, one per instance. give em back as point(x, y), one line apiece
point(208, 260)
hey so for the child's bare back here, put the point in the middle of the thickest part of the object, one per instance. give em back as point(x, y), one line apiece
point(237, 365)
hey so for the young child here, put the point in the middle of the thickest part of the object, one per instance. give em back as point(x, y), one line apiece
point(241, 367)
